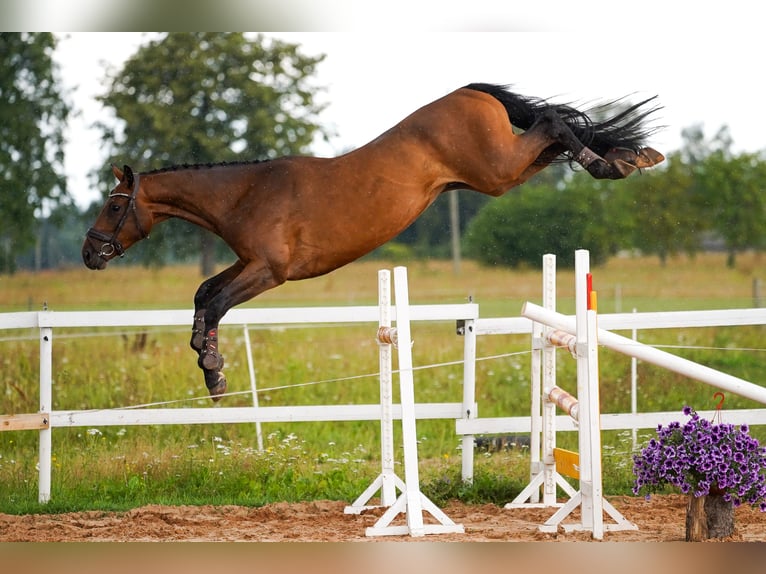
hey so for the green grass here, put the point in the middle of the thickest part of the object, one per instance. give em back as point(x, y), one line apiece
point(120, 468)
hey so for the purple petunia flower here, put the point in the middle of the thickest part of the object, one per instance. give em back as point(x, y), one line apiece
point(701, 455)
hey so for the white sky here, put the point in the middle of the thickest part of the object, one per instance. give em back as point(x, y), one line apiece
point(374, 79)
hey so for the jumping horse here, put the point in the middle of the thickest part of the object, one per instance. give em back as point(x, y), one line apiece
point(294, 218)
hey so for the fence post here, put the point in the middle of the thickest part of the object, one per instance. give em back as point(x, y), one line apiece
point(634, 386)
point(253, 386)
point(46, 400)
point(469, 396)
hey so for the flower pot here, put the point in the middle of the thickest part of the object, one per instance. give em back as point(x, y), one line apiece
point(708, 517)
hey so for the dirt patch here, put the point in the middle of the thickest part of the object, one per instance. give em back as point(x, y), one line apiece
point(660, 519)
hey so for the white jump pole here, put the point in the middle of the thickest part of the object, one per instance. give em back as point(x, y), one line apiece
point(582, 343)
point(387, 482)
point(411, 502)
point(652, 355)
point(588, 394)
point(543, 416)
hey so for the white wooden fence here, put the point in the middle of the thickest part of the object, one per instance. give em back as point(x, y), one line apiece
point(48, 418)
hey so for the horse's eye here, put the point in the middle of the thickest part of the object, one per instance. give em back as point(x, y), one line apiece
point(115, 207)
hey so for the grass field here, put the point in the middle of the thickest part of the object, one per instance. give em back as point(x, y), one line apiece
point(117, 467)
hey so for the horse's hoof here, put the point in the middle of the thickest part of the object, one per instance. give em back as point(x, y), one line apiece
point(648, 157)
point(623, 168)
point(218, 389)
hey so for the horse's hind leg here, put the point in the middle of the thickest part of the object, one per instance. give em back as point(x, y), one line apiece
point(618, 163)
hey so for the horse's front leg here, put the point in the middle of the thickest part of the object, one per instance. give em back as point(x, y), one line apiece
point(250, 281)
point(211, 361)
point(209, 289)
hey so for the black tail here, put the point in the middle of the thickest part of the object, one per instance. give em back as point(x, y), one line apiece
point(626, 129)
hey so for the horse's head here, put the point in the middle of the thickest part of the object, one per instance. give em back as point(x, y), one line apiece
point(121, 223)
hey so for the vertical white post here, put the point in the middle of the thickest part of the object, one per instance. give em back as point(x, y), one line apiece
point(253, 388)
point(542, 380)
point(582, 268)
point(411, 501)
point(593, 407)
point(634, 387)
point(548, 382)
point(536, 421)
point(46, 405)
point(587, 393)
point(407, 392)
point(469, 395)
point(388, 484)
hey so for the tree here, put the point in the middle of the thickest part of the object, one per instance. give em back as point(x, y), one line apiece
point(207, 98)
point(733, 193)
point(33, 113)
point(522, 226)
point(665, 210)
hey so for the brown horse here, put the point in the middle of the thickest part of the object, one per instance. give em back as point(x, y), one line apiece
point(299, 217)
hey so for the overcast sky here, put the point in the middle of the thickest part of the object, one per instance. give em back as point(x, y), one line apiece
point(374, 79)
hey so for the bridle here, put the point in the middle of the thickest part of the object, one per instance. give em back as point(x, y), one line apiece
point(110, 244)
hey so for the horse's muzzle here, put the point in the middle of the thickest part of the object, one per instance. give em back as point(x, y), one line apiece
point(92, 257)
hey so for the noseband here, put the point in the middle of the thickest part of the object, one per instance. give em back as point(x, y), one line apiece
point(111, 244)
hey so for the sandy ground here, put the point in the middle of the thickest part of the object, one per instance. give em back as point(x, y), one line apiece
point(660, 519)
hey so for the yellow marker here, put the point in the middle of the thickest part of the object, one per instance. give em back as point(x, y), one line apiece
point(567, 462)
point(593, 302)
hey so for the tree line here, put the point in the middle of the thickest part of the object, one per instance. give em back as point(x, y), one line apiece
point(204, 97)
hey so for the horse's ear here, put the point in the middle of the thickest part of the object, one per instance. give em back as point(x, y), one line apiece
point(117, 172)
point(128, 176)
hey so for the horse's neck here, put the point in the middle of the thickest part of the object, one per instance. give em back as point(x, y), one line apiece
point(186, 194)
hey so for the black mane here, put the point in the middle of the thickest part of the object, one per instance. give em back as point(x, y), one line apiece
point(178, 167)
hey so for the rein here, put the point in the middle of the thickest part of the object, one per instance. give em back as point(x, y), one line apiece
point(111, 244)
